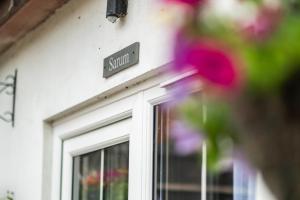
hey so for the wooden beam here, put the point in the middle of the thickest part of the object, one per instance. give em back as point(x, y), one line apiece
point(28, 17)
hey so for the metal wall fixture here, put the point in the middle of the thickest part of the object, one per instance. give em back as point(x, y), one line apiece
point(8, 87)
point(116, 9)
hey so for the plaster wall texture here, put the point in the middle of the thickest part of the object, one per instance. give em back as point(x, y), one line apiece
point(59, 66)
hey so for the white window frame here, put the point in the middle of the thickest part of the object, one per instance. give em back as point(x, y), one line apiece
point(159, 95)
point(101, 138)
point(137, 104)
point(95, 120)
point(153, 97)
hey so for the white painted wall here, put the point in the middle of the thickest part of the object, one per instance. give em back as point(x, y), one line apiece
point(59, 66)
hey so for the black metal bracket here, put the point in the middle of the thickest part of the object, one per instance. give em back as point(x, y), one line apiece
point(9, 86)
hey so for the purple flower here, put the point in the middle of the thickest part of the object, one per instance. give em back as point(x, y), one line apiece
point(239, 158)
point(186, 140)
point(211, 61)
point(180, 92)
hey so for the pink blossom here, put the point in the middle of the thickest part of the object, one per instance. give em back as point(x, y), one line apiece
point(264, 24)
point(211, 61)
point(188, 2)
point(113, 175)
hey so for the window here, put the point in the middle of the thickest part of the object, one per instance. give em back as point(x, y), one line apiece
point(91, 153)
point(102, 175)
point(182, 177)
point(175, 177)
point(96, 164)
point(220, 185)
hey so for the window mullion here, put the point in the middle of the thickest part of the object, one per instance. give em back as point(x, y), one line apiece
point(76, 181)
point(204, 173)
point(167, 136)
point(204, 161)
point(161, 147)
point(155, 160)
point(102, 175)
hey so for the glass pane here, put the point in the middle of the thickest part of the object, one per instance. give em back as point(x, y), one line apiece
point(176, 177)
point(116, 162)
point(220, 185)
point(86, 178)
point(102, 175)
point(244, 183)
point(232, 183)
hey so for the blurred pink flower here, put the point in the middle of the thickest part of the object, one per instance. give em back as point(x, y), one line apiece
point(211, 61)
point(186, 140)
point(113, 175)
point(264, 24)
point(188, 2)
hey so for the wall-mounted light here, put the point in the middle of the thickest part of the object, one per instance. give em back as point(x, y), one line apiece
point(116, 9)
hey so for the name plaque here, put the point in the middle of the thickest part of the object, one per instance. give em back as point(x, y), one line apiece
point(121, 60)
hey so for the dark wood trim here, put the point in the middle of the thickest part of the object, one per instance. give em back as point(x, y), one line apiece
point(25, 19)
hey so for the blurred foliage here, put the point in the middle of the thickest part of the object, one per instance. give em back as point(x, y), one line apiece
point(268, 61)
point(213, 119)
point(269, 53)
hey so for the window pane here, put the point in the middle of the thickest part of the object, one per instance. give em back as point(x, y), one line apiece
point(232, 183)
point(220, 185)
point(116, 162)
point(244, 183)
point(86, 181)
point(179, 177)
point(102, 175)
point(175, 177)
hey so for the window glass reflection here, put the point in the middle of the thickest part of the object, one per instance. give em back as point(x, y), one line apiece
point(87, 169)
point(220, 185)
point(176, 176)
point(102, 175)
point(232, 183)
point(116, 172)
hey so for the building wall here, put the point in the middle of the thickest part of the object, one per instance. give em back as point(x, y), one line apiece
point(59, 66)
